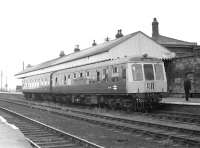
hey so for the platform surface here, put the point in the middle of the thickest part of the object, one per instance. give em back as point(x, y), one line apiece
point(11, 137)
point(182, 101)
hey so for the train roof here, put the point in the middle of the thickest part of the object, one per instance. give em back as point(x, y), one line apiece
point(97, 50)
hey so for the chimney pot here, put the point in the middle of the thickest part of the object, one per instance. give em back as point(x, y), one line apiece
point(107, 39)
point(76, 49)
point(119, 34)
point(62, 53)
point(94, 43)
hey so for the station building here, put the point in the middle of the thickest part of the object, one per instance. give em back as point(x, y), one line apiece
point(186, 61)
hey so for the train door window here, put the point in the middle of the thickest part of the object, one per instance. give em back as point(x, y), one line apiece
point(68, 76)
point(87, 74)
point(137, 72)
point(123, 73)
point(148, 72)
point(159, 73)
point(98, 76)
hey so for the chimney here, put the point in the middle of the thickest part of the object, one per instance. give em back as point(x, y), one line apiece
point(94, 43)
point(62, 53)
point(76, 49)
point(119, 34)
point(107, 39)
point(155, 30)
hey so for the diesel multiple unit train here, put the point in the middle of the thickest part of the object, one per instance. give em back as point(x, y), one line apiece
point(95, 77)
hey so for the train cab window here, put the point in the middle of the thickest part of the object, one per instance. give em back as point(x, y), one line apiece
point(137, 72)
point(159, 73)
point(148, 72)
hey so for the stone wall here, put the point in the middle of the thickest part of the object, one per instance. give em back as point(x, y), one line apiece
point(176, 70)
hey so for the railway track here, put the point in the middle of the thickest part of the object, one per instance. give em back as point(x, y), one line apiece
point(177, 117)
point(41, 135)
point(186, 136)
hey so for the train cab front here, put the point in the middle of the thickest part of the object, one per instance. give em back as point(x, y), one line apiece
point(146, 79)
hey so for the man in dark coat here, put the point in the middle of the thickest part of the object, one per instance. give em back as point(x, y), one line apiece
point(187, 87)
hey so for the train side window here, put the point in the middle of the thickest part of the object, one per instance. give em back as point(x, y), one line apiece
point(159, 73)
point(88, 74)
point(137, 72)
point(74, 75)
point(148, 72)
point(105, 75)
point(123, 73)
point(56, 80)
point(115, 70)
point(81, 75)
point(65, 79)
point(98, 76)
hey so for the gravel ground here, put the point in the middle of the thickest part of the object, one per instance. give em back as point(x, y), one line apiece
point(101, 135)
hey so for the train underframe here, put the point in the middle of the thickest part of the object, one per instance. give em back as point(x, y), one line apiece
point(143, 102)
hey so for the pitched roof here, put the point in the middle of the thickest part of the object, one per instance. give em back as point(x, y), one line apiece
point(103, 47)
point(163, 40)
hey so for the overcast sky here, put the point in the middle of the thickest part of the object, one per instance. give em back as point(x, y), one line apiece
point(35, 31)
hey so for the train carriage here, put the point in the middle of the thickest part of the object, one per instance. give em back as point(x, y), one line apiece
point(103, 75)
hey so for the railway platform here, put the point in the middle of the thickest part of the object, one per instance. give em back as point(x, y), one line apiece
point(181, 101)
point(11, 136)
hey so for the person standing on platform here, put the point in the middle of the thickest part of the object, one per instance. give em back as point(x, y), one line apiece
point(187, 87)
